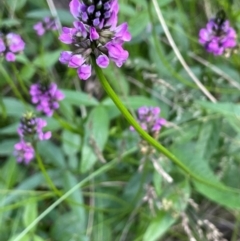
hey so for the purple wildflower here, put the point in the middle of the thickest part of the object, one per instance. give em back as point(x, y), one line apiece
point(31, 127)
point(149, 120)
point(45, 25)
point(29, 130)
point(94, 33)
point(46, 97)
point(10, 45)
point(218, 36)
point(24, 152)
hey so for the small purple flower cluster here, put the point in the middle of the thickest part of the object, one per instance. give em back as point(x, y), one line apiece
point(29, 130)
point(45, 25)
point(46, 97)
point(95, 33)
point(149, 120)
point(218, 36)
point(10, 45)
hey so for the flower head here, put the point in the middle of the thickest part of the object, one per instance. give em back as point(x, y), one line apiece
point(218, 36)
point(45, 25)
point(31, 127)
point(46, 97)
point(24, 152)
point(10, 45)
point(149, 120)
point(94, 33)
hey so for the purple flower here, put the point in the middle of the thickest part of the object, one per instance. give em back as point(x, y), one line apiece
point(46, 97)
point(29, 130)
point(149, 120)
point(65, 57)
point(217, 36)
point(24, 152)
point(95, 34)
point(10, 45)
point(85, 71)
point(2, 45)
point(10, 57)
point(15, 42)
point(45, 25)
point(31, 127)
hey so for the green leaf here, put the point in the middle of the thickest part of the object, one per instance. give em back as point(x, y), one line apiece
point(14, 107)
point(30, 213)
point(227, 109)
point(208, 139)
point(71, 143)
point(47, 59)
point(96, 130)
point(79, 98)
point(7, 146)
point(215, 190)
point(16, 4)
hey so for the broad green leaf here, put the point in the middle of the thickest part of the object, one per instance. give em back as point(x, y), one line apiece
point(14, 107)
point(71, 143)
point(79, 98)
point(215, 190)
point(11, 129)
point(228, 109)
point(7, 146)
point(30, 213)
point(96, 132)
point(16, 5)
point(66, 227)
point(208, 139)
point(47, 59)
point(51, 153)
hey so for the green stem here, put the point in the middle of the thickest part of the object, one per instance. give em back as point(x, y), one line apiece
point(16, 72)
point(45, 174)
point(150, 139)
point(11, 83)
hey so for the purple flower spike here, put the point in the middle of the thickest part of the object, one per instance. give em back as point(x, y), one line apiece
point(15, 43)
point(218, 36)
point(46, 97)
point(148, 118)
point(38, 27)
point(95, 34)
point(45, 25)
point(10, 45)
point(24, 152)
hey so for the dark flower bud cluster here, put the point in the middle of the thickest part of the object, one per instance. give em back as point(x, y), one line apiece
point(47, 24)
point(218, 36)
point(46, 97)
point(95, 33)
point(10, 45)
point(29, 130)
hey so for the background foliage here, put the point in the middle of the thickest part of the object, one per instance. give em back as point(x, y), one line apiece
point(94, 154)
